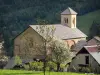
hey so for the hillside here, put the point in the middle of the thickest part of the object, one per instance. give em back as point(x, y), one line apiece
point(84, 22)
point(16, 15)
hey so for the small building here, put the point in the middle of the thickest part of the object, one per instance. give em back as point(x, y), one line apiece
point(66, 31)
point(87, 57)
point(94, 41)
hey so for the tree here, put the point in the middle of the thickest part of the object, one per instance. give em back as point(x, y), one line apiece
point(94, 30)
point(18, 61)
point(2, 49)
point(3, 57)
point(60, 52)
point(2, 53)
point(47, 31)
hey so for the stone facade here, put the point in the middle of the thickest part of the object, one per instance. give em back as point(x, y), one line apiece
point(69, 20)
point(79, 61)
point(25, 44)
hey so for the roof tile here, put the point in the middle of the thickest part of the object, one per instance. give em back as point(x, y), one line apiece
point(64, 32)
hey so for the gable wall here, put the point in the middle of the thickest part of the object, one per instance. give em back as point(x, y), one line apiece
point(21, 43)
point(80, 59)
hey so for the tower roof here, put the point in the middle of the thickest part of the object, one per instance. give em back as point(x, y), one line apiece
point(69, 11)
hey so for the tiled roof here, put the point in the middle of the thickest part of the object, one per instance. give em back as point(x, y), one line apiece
point(97, 38)
point(94, 41)
point(68, 11)
point(80, 45)
point(93, 48)
point(64, 32)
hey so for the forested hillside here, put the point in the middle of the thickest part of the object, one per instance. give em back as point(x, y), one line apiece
point(16, 15)
point(84, 22)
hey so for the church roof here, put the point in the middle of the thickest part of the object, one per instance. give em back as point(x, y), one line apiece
point(68, 11)
point(64, 32)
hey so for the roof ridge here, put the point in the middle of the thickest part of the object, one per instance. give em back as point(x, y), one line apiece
point(46, 24)
point(69, 10)
point(92, 46)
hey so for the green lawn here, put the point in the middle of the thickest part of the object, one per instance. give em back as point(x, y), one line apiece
point(84, 22)
point(23, 72)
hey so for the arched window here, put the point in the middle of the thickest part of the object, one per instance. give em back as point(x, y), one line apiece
point(72, 47)
point(66, 20)
point(74, 20)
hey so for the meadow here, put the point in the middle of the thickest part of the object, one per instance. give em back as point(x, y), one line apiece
point(24, 72)
point(84, 22)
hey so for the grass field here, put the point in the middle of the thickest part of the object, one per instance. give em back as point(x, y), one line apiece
point(23, 72)
point(84, 22)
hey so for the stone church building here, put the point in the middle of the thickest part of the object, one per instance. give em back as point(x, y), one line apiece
point(66, 31)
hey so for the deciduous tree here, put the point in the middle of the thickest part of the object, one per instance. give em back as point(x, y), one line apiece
point(60, 52)
point(47, 31)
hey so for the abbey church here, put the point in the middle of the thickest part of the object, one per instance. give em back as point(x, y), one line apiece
point(66, 31)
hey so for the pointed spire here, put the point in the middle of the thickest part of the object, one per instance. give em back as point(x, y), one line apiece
point(69, 11)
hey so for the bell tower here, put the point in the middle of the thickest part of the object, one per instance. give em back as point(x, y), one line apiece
point(68, 18)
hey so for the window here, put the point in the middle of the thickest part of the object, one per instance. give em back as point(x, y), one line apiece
point(86, 59)
point(30, 42)
point(66, 20)
point(74, 20)
point(72, 48)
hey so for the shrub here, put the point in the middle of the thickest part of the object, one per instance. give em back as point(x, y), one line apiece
point(36, 66)
point(51, 66)
point(26, 67)
point(18, 63)
point(86, 70)
point(18, 60)
point(17, 67)
point(40, 66)
point(62, 66)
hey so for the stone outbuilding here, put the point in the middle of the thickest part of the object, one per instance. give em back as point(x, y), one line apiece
point(87, 57)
